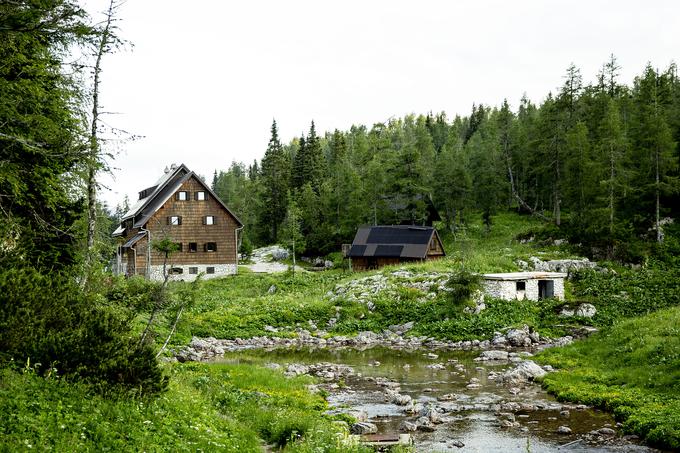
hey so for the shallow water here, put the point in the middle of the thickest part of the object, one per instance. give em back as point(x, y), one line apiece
point(467, 417)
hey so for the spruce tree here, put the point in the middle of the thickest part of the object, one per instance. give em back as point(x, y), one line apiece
point(275, 183)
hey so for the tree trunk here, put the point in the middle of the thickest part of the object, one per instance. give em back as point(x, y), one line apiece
point(93, 160)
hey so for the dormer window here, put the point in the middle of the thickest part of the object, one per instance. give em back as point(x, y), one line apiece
point(209, 220)
point(200, 196)
point(182, 195)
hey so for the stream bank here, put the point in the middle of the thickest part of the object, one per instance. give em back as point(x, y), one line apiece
point(448, 400)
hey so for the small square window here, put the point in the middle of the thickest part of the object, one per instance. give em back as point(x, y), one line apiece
point(193, 247)
point(521, 286)
point(179, 246)
point(210, 246)
point(209, 220)
point(200, 196)
point(193, 270)
point(209, 270)
point(176, 270)
point(174, 220)
point(182, 195)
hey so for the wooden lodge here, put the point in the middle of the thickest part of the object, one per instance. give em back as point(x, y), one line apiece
point(182, 207)
point(377, 246)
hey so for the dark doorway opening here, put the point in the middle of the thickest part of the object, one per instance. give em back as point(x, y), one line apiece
point(546, 289)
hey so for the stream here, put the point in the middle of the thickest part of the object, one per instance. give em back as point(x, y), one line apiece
point(483, 417)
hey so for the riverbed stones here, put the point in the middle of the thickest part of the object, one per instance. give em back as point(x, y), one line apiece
point(525, 371)
point(401, 400)
point(492, 355)
point(363, 428)
point(519, 337)
point(563, 430)
point(408, 427)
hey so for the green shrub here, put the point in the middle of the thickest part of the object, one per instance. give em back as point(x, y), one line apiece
point(47, 321)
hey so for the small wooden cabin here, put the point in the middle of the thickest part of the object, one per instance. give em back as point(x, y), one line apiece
point(382, 245)
point(182, 207)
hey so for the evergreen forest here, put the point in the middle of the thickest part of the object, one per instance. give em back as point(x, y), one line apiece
point(596, 160)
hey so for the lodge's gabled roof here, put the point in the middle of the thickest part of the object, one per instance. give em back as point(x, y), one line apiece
point(154, 197)
point(393, 241)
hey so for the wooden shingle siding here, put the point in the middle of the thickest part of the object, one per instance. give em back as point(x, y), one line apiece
point(193, 229)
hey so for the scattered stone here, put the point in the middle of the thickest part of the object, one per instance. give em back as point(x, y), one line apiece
point(565, 414)
point(457, 444)
point(436, 366)
point(525, 371)
point(432, 356)
point(363, 428)
point(272, 289)
point(586, 310)
point(564, 430)
point(606, 432)
point(401, 400)
point(492, 355)
point(407, 426)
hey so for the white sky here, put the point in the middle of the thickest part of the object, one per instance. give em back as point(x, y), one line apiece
point(206, 77)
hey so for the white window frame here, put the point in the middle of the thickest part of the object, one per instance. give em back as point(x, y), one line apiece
point(182, 195)
point(175, 220)
point(209, 220)
point(200, 195)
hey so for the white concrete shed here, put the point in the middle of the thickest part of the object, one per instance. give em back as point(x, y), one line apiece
point(525, 285)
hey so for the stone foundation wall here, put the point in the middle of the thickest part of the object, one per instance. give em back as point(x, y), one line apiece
point(220, 271)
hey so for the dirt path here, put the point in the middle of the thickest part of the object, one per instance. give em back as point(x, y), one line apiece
point(264, 260)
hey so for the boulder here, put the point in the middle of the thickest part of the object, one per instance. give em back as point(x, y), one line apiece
point(525, 371)
point(519, 337)
point(564, 430)
point(492, 355)
point(407, 426)
point(401, 400)
point(363, 428)
point(586, 310)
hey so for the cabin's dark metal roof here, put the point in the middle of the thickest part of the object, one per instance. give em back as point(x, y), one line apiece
point(392, 241)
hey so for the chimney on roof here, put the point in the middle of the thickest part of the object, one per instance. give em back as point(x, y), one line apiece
point(167, 170)
point(173, 167)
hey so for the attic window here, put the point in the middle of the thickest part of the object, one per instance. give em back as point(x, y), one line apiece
point(193, 247)
point(182, 195)
point(179, 246)
point(209, 220)
point(200, 196)
point(210, 246)
point(174, 220)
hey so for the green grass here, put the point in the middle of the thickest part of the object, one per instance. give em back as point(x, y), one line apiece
point(207, 408)
point(632, 369)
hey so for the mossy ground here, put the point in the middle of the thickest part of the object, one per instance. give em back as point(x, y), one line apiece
point(223, 407)
point(632, 369)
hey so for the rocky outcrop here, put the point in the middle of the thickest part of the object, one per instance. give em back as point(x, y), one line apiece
point(568, 266)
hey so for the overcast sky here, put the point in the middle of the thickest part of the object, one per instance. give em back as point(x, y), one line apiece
point(205, 78)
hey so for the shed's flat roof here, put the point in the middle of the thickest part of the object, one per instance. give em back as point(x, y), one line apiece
point(525, 276)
